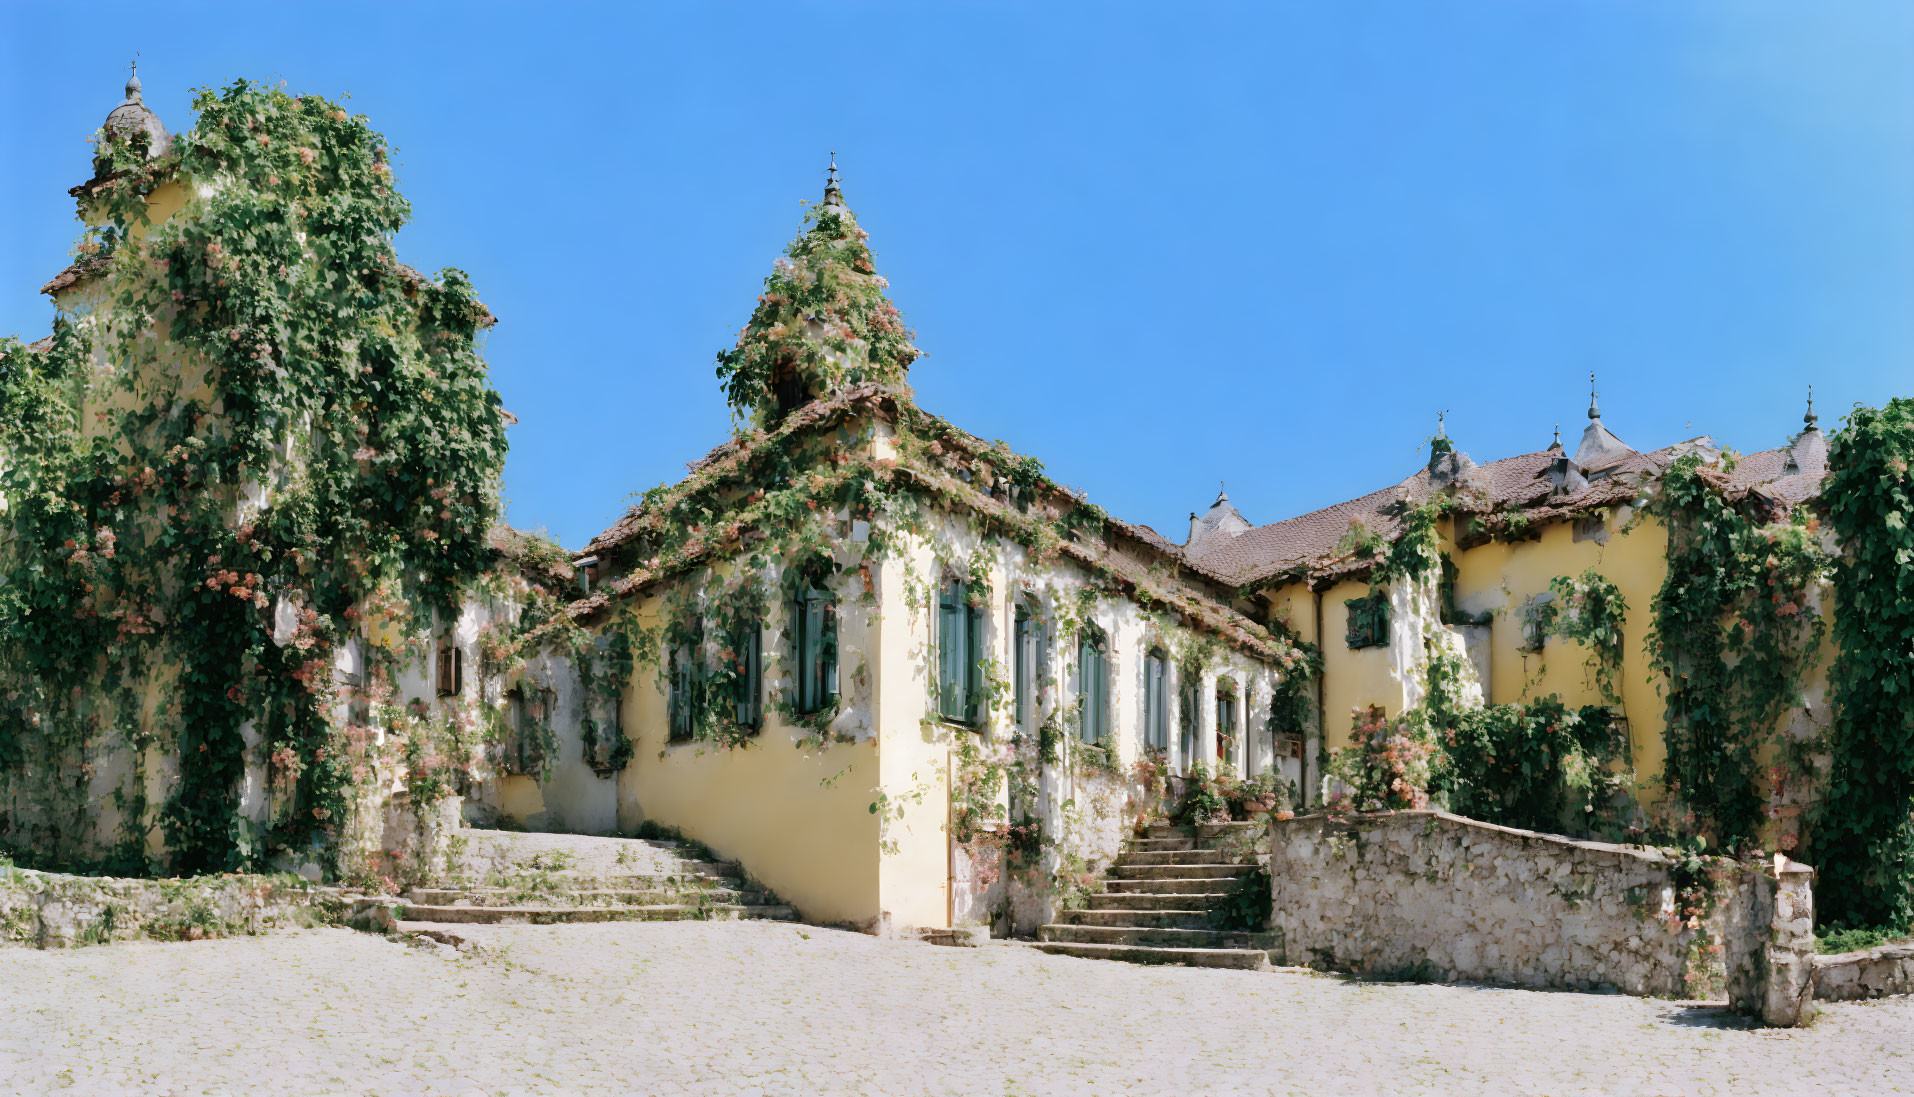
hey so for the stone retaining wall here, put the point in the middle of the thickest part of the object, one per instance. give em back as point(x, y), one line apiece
point(1870, 973)
point(1427, 894)
point(54, 910)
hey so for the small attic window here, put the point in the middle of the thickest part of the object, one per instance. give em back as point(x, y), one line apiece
point(451, 669)
point(1591, 527)
point(1368, 621)
point(787, 388)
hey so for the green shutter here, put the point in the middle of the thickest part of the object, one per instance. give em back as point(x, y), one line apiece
point(974, 664)
point(950, 650)
point(1093, 687)
point(1020, 670)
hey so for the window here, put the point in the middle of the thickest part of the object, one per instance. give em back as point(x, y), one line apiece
point(960, 654)
point(746, 647)
point(1093, 686)
point(1368, 621)
point(1156, 701)
point(814, 641)
point(451, 668)
point(1226, 727)
point(687, 680)
point(1188, 710)
point(1538, 614)
point(528, 715)
point(1027, 656)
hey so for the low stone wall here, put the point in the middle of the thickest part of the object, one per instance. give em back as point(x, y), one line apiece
point(1871, 973)
point(54, 910)
point(1427, 894)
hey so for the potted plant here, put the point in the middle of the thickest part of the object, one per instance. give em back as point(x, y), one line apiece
point(1261, 794)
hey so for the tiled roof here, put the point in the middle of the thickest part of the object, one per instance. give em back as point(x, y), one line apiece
point(79, 271)
point(1784, 477)
point(1120, 563)
point(516, 545)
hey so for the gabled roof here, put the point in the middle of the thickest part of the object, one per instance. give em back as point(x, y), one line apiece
point(1128, 555)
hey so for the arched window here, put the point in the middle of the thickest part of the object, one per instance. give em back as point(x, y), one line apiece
point(1156, 700)
point(814, 644)
point(1093, 685)
point(960, 653)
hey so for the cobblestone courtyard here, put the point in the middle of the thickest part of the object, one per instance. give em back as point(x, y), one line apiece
point(747, 1008)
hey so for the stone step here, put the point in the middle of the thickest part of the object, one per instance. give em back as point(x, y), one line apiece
point(1154, 938)
point(1242, 958)
point(505, 897)
point(555, 915)
point(1166, 886)
point(1178, 857)
point(1133, 900)
point(589, 881)
point(1168, 830)
point(1181, 872)
point(1161, 843)
point(1203, 830)
point(1180, 918)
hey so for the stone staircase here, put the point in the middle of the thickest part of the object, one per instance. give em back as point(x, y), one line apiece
point(511, 878)
point(1157, 897)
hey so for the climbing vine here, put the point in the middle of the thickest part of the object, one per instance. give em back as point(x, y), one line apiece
point(1733, 589)
point(822, 323)
point(289, 426)
point(1862, 837)
point(1590, 610)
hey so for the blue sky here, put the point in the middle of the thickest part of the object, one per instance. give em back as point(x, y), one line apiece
point(1156, 245)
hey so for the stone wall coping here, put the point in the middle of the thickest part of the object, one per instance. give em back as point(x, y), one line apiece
point(286, 880)
point(1897, 950)
point(1356, 820)
point(1783, 866)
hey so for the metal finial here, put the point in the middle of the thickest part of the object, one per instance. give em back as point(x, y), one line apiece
point(133, 80)
point(1593, 411)
point(1441, 431)
point(1811, 418)
point(1558, 434)
point(832, 196)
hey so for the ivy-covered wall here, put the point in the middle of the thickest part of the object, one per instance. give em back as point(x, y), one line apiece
point(869, 814)
point(254, 444)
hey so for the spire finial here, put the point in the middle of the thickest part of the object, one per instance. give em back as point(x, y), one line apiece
point(133, 80)
point(1811, 418)
point(1441, 431)
point(1593, 411)
point(1558, 435)
point(832, 196)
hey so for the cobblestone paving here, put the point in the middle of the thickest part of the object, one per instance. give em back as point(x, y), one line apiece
point(746, 1008)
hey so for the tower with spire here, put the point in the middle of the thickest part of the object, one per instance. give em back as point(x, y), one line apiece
point(1599, 449)
point(132, 121)
point(822, 324)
